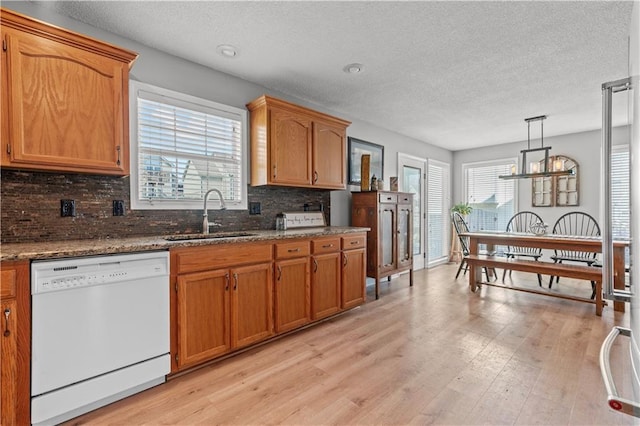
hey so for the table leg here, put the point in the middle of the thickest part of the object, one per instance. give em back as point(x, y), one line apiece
point(475, 272)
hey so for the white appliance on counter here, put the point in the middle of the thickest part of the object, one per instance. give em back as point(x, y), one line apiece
point(100, 331)
point(630, 87)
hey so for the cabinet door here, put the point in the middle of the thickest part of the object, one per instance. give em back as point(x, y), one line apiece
point(292, 294)
point(290, 149)
point(15, 343)
point(328, 156)
point(67, 108)
point(8, 362)
point(252, 304)
point(405, 237)
point(353, 278)
point(387, 238)
point(325, 285)
point(203, 316)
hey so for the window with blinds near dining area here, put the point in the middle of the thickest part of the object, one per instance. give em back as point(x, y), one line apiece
point(493, 199)
point(620, 193)
point(185, 146)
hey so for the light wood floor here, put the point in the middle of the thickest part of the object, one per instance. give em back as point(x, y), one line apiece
point(431, 354)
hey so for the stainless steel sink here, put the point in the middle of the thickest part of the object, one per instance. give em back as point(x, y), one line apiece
point(217, 235)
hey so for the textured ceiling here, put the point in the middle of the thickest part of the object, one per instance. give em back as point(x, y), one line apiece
point(454, 74)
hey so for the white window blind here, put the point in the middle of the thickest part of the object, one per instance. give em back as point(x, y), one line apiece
point(437, 209)
point(620, 205)
point(185, 146)
point(493, 199)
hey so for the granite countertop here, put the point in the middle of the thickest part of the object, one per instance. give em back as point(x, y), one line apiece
point(70, 248)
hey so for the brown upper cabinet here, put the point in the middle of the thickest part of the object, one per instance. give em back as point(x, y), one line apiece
point(296, 146)
point(65, 99)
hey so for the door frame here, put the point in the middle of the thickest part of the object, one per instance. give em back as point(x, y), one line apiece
point(419, 259)
point(446, 203)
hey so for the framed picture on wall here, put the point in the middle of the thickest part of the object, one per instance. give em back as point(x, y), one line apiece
point(358, 148)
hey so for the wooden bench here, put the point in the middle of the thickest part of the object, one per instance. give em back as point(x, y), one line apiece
point(580, 272)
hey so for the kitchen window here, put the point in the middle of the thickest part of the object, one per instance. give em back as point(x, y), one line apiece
point(493, 199)
point(182, 146)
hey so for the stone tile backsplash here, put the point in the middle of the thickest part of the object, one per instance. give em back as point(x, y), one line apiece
point(30, 209)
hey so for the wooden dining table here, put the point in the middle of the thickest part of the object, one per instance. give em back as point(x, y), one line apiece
point(547, 241)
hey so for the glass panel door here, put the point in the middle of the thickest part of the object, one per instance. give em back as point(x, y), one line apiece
point(411, 180)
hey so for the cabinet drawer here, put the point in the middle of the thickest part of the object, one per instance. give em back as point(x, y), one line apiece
point(386, 197)
point(353, 242)
point(8, 283)
point(192, 259)
point(325, 245)
point(293, 249)
point(404, 198)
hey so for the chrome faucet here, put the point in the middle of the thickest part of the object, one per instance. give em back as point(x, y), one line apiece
point(205, 217)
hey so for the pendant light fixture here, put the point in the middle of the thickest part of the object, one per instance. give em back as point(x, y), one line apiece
point(535, 170)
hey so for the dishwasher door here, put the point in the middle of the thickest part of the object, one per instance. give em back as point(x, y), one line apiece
point(98, 315)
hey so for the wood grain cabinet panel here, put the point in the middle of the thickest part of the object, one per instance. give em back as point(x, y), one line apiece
point(15, 343)
point(296, 146)
point(203, 316)
point(292, 294)
point(325, 285)
point(252, 304)
point(329, 158)
point(353, 277)
point(65, 99)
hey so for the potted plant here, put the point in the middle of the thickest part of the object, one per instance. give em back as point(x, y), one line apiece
point(463, 208)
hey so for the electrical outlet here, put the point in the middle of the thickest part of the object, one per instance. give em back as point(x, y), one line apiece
point(255, 208)
point(67, 208)
point(118, 207)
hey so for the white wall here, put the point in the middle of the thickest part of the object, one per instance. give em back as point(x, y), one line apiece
point(164, 70)
point(583, 147)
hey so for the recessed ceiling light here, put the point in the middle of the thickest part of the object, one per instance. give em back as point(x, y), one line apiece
point(353, 68)
point(227, 50)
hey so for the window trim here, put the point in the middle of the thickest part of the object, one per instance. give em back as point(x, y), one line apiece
point(135, 201)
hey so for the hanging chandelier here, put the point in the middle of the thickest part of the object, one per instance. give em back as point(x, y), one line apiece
point(536, 169)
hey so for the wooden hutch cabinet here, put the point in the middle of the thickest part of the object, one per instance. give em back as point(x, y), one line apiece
point(65, 99)
point(390, 241)
point(296, 146)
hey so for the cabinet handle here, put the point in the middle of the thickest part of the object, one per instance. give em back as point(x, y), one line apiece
point(353, 243)
point(279, 273)
point(294, 250)
point(7, 312)
point(344, 260)
point(226, 277)
point(8, 148)
point(315, 177)
point(118, 150)
point(274, 171)
point(315, 265)
point(327, 246)
point(235, 280)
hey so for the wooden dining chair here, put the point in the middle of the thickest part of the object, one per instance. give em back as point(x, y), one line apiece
point(523, 222)
point(461, 226)
point(576, 224)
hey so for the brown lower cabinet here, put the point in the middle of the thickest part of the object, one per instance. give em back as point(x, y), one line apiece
point(229, 296)
point(292, 286)
point(326, 281)
point(15, 346)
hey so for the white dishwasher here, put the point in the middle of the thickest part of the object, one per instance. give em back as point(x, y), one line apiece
point(100, 331)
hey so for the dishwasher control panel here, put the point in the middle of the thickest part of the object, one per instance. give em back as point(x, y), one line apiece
point(70, 273)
